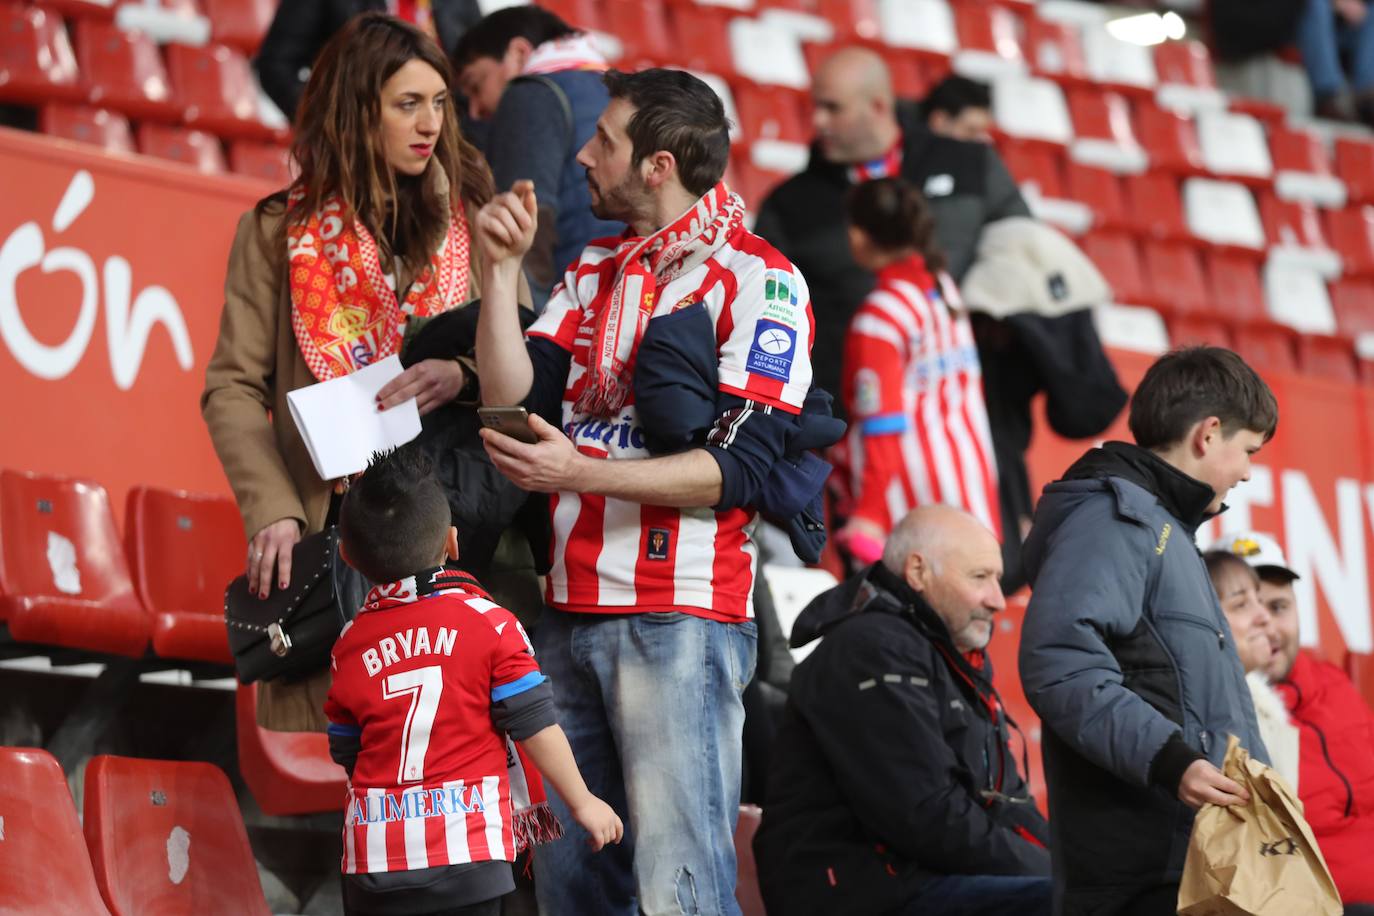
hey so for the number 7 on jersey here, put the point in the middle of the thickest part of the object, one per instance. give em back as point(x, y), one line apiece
point(423, 686)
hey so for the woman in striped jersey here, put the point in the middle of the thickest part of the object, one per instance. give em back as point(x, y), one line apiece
point(911, 383)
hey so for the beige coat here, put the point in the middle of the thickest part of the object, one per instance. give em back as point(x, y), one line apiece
point(255, 364)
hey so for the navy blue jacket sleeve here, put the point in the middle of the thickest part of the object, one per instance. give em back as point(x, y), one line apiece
point(747, 439)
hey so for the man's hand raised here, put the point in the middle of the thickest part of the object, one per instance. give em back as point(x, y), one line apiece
point(506, 224)
point(546, 466)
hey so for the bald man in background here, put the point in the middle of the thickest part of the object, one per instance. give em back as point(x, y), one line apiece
point(864, 132)
point(894, 786)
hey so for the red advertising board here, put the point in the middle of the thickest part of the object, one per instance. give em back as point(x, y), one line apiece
point(111, 276)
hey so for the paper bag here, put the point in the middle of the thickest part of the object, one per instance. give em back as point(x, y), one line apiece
point(1256, 859)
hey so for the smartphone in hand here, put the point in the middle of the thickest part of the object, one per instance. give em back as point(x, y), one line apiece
point(511, 421)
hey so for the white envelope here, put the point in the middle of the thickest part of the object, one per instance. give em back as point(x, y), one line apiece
point(341, 425)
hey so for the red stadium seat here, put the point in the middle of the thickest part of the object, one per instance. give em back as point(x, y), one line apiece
point(44, 866)
point(747, 892)
point(1156, 207)
point(107, 129)
point(123, 70)
point(195, 148)
point(1170, 139)
point(1353, 302)
point(852, 19)
point(1184, 63)
point(1291, 223)
point(1267, 348)
point(1175, 276)
point(1331, 358)
point(1197, 331)
point(1234, 287)
point(702, 42)
point(240, 24)
point(1101, 190)
point(1351, 231)
point(63, 579)
point(1117, 256)
point(1035, 164)
point(1103, 133)
point(642, 27)
point(988, 42)
point(215, 87)
point(1055, 50)
point(260, 160)
point(79, 9)
point(772, 113)
point(287, 772)
point(1355, 167)
point(167, 837)
point(1302, 168)
point(184, 550)
point(36, 59)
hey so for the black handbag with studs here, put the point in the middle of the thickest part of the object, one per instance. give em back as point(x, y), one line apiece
point(291, 632)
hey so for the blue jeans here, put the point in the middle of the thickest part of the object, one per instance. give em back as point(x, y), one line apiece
point(982, 895)
point(652, 706)
point(1322, 37)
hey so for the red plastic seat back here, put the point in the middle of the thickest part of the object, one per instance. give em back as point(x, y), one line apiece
point(1355, 166)
point(990, 29)
point(1054, 49)
point(1100, 115)
point(1175, 274)
point(1291, 222)
point(1353, 302)
point(1036, 164)
point(287, 772)
point(261, 160)
point(702, 39)
point(184, 548)
point(44, 867)
point(214, 84)
point(107, 129)
point(123, 70)
point(1233, 282)
point(580, 14)
point(1170, 139)
point(1295, 149)
point(36, 59)
point(58, 540)
point(1267, 349)
point(1330, 358)
point(1156, 206)
point(1185, 62)
point(1351, 231)
point(195, 148)
point(747, 892)
point(240, 23)
point(166, 838)
point(642, 26)
point(1118, 257)
point(772, 113)
point(1100, 189)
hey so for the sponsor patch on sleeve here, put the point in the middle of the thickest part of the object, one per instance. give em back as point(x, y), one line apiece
point(772, 350)
point(868, 393)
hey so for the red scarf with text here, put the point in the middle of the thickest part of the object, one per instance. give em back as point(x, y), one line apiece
point(643, 266)
point(344, 311)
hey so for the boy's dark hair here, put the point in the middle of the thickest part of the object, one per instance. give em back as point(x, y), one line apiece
point(493, 34)
point(677, 112)
point(395, 517)
point(955, 93)
point(894, 215)
point(1195, 383)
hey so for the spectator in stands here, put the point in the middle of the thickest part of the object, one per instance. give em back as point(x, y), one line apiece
point(859, 137)
point(959, 108)
point(300, 30)
point(1251, 625)
point(406, 237)
point(894, 786)
point(1327, 31)
point(911, 381)
point(1124, 653)
point(648, 635)
point(538, 82)
point(473, 693)
point(1335, 728)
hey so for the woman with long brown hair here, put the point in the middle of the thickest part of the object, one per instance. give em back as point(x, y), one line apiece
point(327, 276)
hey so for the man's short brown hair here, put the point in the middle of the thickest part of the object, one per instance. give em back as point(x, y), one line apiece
point(1194, 383)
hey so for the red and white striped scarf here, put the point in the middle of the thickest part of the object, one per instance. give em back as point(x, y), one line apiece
point(643, 267)
point(571, 52)
point(534, 820)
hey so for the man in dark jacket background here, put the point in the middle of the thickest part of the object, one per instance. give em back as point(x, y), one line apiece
point(860, 135)
point(1125, 653)
point(894, 787)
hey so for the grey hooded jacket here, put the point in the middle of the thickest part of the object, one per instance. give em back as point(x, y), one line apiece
point(1128, 661)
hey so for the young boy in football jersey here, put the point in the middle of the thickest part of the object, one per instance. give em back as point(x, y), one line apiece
point(429, 679)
